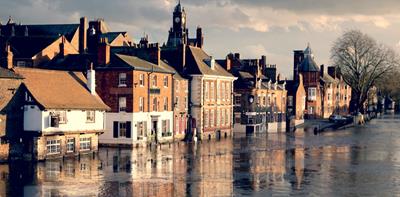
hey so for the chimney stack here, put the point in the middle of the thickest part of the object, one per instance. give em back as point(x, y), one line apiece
point(9, 57)
point(91, 79)
point(237, 56)
point(199, 37)
point(228, 63)
point(82, 35)
point(103, 54)
point(322, 71)
point(62, 46)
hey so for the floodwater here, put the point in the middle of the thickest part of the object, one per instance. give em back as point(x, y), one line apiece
point(361, 161)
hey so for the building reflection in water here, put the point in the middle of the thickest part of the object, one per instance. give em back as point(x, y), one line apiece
point(271, 164)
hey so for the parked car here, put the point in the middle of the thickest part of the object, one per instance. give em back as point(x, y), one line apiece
point(337, 118)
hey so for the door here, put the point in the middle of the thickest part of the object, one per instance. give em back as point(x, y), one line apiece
point(154, 130)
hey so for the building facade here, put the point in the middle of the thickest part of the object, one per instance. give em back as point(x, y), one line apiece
point(326, 91)
point(62, 114)
point(210, 85)
point(259, 96)
point(10, 117)
point(140, 96)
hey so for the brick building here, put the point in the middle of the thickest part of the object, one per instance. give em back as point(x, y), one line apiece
point(139, 93)
point(296, 100)
point(327, 92)
point(210, 85)
point(260, 96)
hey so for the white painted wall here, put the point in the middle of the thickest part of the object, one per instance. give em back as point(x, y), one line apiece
point(37, 120)
point(108, 138)
point(33, 120)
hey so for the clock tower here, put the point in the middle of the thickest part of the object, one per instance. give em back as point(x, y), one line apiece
point(178, 33)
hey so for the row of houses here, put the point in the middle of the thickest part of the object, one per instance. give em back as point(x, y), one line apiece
point(68, 88)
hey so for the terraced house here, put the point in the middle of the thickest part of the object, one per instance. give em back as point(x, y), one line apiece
point(326, 91)
point(139, 93)
point(260, 96)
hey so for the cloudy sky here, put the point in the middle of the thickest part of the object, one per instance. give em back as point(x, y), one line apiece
point(251, 27)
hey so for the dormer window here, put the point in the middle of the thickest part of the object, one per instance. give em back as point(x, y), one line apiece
point(122, 80)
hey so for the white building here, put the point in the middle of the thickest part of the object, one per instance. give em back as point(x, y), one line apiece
point(63, 116)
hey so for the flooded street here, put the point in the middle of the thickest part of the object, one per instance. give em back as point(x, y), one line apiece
point(361, 161)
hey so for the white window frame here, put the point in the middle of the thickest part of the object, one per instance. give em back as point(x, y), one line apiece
point(62, 117)
point(212, 91)
point(53, 146)
point(154, 81)
point(165, 104)
point(206, 91)
point(141, 80)
point(85, 143)
point(122, 80)
point(90, 116)
point(141, 104)
point(155, 104)
point(212, 118)
point(312, 94)
point(165, 81)
point(70, 145)
point(122, 104)
point(122, 130)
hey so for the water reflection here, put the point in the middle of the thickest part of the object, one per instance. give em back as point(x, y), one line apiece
point(355, 162)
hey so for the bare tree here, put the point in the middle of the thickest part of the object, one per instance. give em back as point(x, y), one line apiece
point(361, 61)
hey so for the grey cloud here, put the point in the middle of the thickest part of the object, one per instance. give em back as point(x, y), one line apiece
point(334, 7)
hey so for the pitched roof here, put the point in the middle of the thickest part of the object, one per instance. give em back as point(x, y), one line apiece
point(111, 35)
point(133, 62)
point(8, 74)
point(328, 79)
point(68, 30)
point(199, 65)
point(245, 75)
point(28, 46)
point(60, 89)
point(308, 65)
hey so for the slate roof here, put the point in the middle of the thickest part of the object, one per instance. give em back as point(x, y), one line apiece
point(245, 75)
point(197, 64)
point(8, 74)
point(111, 36)
point(60, 89)
point(132, 62)
point(328, 79)
point(68, 30)
point(28, 46)
point(308, 65)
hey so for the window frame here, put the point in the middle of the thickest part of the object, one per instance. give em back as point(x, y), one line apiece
point(120, 107)
point(53, 146)
point(141, 80)
point(122, 81)
point(90, 116)
point(85, 143)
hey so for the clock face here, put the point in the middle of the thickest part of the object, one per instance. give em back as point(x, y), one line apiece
point(177, 20)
